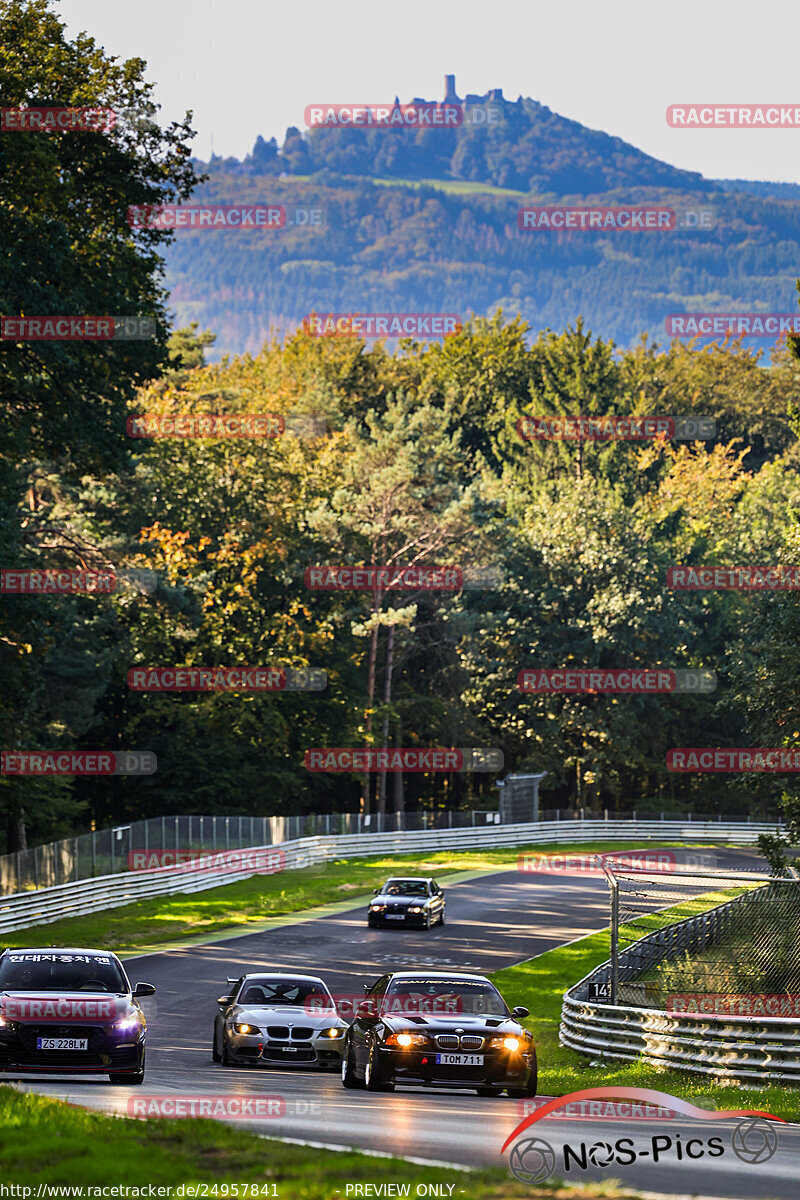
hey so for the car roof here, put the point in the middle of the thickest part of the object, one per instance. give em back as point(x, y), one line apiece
point(284, 975)
point(58, 950)
point(451, 975)
point(412, 878)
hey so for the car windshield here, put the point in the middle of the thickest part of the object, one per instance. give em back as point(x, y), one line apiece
point(405, 887)
point(450, 995)
point(289, 992)
point(52, 971)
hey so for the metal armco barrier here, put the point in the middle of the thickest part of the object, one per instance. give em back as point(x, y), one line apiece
point(22, 910)
point(757, 1049)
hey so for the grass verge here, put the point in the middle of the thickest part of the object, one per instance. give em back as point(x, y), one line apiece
point(234, 907)
point(540, 984)
point(47, 1141)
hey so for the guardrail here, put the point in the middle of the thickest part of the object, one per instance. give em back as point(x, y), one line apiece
point(748, 1048)
point(45, 905)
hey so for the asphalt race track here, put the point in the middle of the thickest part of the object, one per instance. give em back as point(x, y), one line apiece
point(492, 922)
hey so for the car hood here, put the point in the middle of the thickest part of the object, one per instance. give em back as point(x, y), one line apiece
point(264, 1014)
point(64, 1007)
point(405, 901)
point(487, 1026)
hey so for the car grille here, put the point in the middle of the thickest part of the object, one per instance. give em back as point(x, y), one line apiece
point(447, 1041)
point(278, 1031)
point(450, 1041)
point(300, 1033)
point(396, 908)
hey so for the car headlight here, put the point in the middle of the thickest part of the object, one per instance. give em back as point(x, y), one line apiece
point(406, 1040)
point(332, 1032)
point(127, 1023)
point(417, 908)
point(243, 1027)
point(505, 1043)
point(377, 907)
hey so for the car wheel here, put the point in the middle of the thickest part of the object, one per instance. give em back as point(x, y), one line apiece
point(441, 918)
point(349, 1078)
point(373, 1080)
point(215, 1054)
point(530, 1086)
point(225, 1057)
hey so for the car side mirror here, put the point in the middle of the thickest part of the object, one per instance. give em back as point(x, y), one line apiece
point(376, 891)
point(520, 1012)
point(365, 1009)
point(223, 1001)
point(144, 989)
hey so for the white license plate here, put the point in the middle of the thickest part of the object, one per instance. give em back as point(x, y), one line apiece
point(289, 1049)
point(459, 1060)
point(395, 916)
point(62, 1043)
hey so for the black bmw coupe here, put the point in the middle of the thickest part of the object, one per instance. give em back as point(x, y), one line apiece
point(439, 1029)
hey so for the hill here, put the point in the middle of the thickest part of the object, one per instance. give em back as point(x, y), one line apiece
point(427, 221)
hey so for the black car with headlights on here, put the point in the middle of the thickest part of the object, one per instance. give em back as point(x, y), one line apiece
point(71, 1012)
point(276, 1018)
point(411, 900)
point(439, 1029)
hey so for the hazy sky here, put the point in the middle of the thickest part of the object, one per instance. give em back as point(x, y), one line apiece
point(251, 66)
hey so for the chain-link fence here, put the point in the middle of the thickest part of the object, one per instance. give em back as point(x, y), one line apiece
point(691, 936)
point(110, 851)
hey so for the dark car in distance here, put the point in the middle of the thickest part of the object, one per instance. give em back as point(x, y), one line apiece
point(71, 1012)
point(413, 900)
point(439, 1029)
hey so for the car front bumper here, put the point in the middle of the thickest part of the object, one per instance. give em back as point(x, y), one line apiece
point(407, 918)
point(261, 1050)
point(107, 1052)
point(499, 1069)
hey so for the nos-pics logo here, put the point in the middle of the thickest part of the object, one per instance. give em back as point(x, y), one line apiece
point(532, 1160)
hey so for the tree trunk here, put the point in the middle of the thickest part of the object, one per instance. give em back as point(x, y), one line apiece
point(387, 697)
point(399, 790)
point(366, 787)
